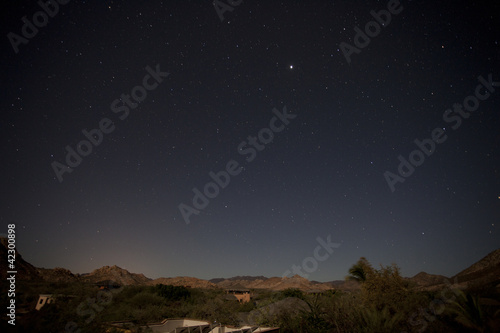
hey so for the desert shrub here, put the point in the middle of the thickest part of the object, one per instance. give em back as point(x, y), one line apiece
point(467, 311)
point(384, 288)
point(145, 299)
point(295, 321)
point(292, 292)
point(379, 321)
point(172, 293)
point(246, 307)
point(127, 292)
point(218, 310)
point(311, 322)
point(286, 321)
point(344, 312)
point(264, 295)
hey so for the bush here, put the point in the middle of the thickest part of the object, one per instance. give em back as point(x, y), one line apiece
point(292, 292)
point(385, 288)
point(146, 299)
point(172, 293)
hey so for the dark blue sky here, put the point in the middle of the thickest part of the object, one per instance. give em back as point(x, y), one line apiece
point(319, 174)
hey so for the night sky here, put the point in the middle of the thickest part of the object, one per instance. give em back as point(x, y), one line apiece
point(304, 129)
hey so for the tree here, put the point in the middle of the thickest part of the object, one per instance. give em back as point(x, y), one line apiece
point(380, 288)
point(359, 270)
point(385, 287)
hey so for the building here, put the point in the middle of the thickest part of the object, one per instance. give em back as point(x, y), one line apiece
point(49, 299)
point(241, 295)
point(44, 299)
point(107, 285)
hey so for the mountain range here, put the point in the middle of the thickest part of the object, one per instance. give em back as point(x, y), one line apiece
point(485, 271)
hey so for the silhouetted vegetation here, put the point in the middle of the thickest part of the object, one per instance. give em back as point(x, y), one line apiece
point(292, 292)
point(358, 271)
point(173, 293)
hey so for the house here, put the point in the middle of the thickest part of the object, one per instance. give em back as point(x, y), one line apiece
point(240, 294)
point(107, 285)
point(44, 299)
point(49, 299)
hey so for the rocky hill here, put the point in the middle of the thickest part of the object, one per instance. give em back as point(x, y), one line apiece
point(424, 279)
point(185, 282)
point(25, 270)
point(58, 275)
point(485, 271)
point(274, 283)
point(115, 274)
point(238, 278)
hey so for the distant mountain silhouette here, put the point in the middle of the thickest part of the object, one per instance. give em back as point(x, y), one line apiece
point(239, 278)
point(274, 283)
point(485, 271)
point(184, 281)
